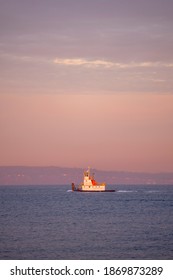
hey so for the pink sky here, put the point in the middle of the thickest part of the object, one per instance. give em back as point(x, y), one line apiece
point(87, 83)
point(117, 132)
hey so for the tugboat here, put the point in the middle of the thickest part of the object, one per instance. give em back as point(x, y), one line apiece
point(90, 185)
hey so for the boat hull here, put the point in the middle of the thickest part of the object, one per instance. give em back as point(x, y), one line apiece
point(95, 191)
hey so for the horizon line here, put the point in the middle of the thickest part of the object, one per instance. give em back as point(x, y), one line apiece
point(101, 170)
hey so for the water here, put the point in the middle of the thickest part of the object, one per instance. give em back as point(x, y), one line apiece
point(51, 222)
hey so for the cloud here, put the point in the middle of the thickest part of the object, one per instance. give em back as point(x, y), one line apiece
point(83, 62)
point(87, 63)
point(109, 64)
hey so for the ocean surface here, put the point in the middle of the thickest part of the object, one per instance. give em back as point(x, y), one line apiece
point(51, 222)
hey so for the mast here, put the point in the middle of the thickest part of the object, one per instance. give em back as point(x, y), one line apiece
point(88, 171)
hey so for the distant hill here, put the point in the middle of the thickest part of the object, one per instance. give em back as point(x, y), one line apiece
point(22, 175)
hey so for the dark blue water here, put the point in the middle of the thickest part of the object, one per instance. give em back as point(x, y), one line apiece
point(50, 222)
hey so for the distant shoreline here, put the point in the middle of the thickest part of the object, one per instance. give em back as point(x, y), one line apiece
point(52, 175)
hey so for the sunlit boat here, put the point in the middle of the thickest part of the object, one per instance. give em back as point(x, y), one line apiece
point(90, 185)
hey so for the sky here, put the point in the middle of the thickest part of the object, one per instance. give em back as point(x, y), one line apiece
point(87, 83)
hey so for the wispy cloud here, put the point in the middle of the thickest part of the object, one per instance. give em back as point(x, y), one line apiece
point(84, 62)
point(108, 64)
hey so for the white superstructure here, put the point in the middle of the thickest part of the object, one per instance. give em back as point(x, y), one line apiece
point(89, 184)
